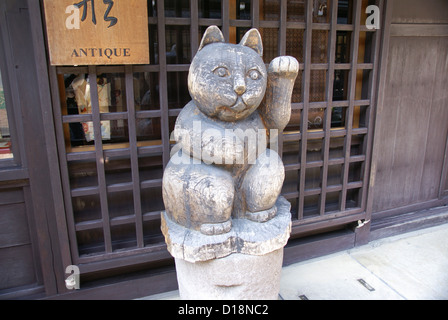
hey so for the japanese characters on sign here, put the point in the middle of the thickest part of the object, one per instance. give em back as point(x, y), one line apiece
point(97, 32)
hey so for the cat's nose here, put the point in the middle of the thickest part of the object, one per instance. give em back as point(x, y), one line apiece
point(240, 86)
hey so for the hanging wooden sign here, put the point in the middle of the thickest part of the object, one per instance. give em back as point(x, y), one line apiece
point(97, 32)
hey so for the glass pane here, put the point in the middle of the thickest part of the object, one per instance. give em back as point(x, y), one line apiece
point(123, 237)
point(318, 82)
point(312, 178)
point(360, 116)
point(150, 167)
point(337, 148)
point(152, 8)
point(177, 8)
point(316, 118)
point(321, 11)
point(149, 130)
point(178, 45)
point(296, 10)
point(362, 84)
point(243, 10)
point(358, 145)
point(294, 43)
point(297, 91)
point(310, 206)
point(110, 93)
point(82, 173)
point(334, 176)
point(237, 33)
point(270, 10)
point(86, 208)
point(270, 43)
point(146, 91)
point(118, 170)
point(178, 94)
point(332, 201)
point(355, 172)
point(152, 200)
point(90, 242)
point(112, 99)
point(338, 115)
point(314, 152)
point(5, 137)
point(120, 204)
point(365, 47)
point(345, 11)
point(294, 122)
point(353, 198)
point(340, 86)
point(319, 46)
point(290, 184)
point(210, 9)
point(343, 41)
point(153, 44)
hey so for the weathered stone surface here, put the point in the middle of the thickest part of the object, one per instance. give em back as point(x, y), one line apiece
point(235, 277)
point(246, 237)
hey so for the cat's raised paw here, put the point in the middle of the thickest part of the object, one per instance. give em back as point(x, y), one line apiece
point(284, 66)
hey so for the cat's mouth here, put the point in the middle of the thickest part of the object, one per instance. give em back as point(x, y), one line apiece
point(239, 105)
point(239, 110)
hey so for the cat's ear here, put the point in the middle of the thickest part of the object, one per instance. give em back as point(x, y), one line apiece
point(211, 35)
point(252, 39)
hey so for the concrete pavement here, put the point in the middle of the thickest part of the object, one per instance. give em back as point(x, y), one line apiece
point(405, 267)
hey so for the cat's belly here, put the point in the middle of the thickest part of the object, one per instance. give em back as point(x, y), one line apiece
point(218, 142)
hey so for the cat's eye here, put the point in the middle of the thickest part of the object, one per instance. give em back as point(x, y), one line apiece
point(254, 74)
point(221, 72)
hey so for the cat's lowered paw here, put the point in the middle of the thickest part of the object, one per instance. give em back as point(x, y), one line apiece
point(284, 67)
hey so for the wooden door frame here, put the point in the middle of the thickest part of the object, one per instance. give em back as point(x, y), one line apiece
point(391, 30)
point(50, 224)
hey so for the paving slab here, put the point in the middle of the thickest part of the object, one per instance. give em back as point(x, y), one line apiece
point(415, 265)
point(334, 277)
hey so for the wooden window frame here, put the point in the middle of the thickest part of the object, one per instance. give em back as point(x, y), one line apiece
point(12, 107)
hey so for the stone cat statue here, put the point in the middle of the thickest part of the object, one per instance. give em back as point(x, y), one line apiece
point(221, 168)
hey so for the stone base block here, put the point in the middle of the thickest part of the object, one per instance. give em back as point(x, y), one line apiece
point(235, 277)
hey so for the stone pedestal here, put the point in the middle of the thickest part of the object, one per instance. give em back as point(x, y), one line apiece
point(235, 277)
point(244, 263)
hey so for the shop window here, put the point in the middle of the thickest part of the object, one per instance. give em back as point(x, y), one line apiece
point(5, 135)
